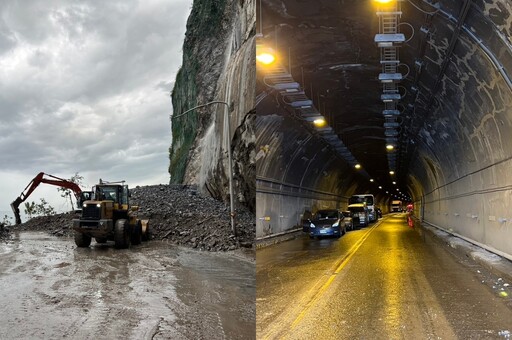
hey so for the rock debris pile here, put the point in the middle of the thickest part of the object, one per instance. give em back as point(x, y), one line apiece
point(177, 213)
point(4, 232)
point(180, 214)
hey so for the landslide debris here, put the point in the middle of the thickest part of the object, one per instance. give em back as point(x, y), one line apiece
point(177, 213)
point(4, 232)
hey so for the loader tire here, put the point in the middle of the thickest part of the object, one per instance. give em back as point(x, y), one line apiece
point(82, 240)
point(122, 234)
point(136, 233)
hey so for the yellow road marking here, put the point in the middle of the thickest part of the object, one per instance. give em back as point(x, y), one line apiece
point(340, 265)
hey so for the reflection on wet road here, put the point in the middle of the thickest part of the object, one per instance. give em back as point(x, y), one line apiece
point(51, 289)
point(387, 281)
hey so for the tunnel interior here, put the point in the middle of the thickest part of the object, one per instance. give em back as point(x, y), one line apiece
point(451, 120)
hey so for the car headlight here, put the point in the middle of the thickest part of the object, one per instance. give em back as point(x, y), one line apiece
point(336, 224)
point(312, 225)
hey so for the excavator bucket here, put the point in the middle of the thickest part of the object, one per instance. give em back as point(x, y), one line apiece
point(15, 209)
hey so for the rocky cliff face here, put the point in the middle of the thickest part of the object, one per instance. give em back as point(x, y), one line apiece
point(218, 65)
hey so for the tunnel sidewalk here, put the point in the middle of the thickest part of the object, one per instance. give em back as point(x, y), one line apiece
point(498, 265)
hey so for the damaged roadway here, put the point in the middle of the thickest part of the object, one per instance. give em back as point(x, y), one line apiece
point(166, 288)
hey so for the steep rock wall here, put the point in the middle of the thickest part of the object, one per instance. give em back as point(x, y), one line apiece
point(218, 65)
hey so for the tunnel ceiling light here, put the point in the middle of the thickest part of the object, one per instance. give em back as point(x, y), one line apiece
point(391, 172)
point(319, 122)
point(397, 189)
point(371, 180)
point(387, 192)
point(266, 57)
point(380, 187)
point(390, 147)
point(394, 183)
point(357, 166)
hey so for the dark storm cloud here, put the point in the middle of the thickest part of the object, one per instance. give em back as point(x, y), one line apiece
point(84, 86)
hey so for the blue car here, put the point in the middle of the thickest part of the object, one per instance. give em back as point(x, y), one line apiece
point(327, 223)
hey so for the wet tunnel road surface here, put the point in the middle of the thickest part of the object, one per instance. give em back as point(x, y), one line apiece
point(387, 281)
point(50, 289)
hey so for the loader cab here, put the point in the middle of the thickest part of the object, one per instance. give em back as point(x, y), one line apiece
point(116, 193)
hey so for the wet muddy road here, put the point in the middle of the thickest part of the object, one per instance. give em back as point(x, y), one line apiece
point(51, 289)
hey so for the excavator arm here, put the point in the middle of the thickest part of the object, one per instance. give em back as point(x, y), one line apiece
point(42, 178)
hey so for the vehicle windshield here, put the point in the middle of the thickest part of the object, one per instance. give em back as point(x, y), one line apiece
point(369, 200)
point(326, 214)
point(355, 199)
point(357, 209)
point(108, 193)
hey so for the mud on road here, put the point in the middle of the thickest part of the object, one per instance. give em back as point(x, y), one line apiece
point(51, 289)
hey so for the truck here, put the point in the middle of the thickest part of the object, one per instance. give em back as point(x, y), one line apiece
point(369, 200)
point(108, 216)
point(396, 206)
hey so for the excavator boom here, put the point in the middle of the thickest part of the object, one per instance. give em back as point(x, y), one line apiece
point(42, 178)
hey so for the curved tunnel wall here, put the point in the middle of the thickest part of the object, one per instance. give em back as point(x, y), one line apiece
point(463, 140)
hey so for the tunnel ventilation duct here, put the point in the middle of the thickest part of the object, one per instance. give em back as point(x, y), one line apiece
point(303, 109)
point(389, 39)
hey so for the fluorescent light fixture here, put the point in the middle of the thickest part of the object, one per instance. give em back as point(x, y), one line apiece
point(391, 172)
point(390, 97)
point(389, 39)
point(390, 77)
point(390, 147)
point(357, 166)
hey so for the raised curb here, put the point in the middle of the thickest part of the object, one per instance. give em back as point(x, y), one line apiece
point(270, 240)
point(495, 263)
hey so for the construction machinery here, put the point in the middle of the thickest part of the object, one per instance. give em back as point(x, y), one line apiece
point(52, 180)
point(109, 216)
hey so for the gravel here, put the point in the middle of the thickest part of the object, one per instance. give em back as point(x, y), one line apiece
point(179, 214)
point(4, 232)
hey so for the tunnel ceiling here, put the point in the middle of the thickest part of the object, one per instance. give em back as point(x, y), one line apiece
point(329, 47)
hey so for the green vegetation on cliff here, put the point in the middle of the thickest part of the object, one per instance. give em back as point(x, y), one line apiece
point(204, 26)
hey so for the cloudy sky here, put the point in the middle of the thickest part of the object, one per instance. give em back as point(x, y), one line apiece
point(84, 87)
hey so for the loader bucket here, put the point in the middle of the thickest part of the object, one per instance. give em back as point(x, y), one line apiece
point(146, 232)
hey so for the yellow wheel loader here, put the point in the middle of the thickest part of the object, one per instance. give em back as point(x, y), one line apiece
point(108, 216)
